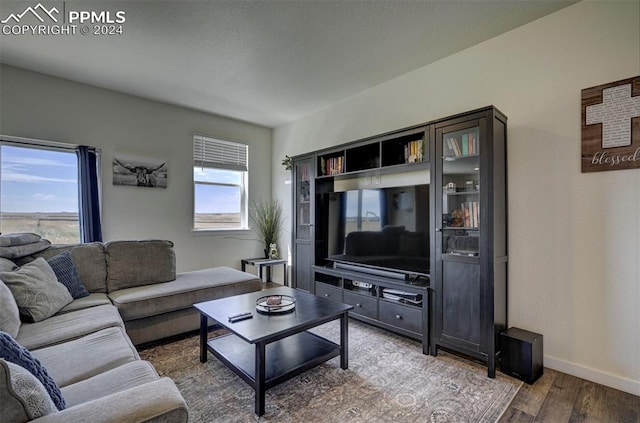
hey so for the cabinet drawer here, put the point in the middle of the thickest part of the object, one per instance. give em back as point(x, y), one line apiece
point(405, 317)
point(329, 291)
point(362, 304)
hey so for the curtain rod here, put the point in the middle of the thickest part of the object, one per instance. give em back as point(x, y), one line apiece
point(42, 143)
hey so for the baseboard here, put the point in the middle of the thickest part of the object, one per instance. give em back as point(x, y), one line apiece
point(597, 376)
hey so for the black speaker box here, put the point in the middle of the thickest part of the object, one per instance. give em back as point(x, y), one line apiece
point(521, 355)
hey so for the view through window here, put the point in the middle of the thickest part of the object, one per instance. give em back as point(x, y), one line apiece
point(220, 179)
point(39, 192)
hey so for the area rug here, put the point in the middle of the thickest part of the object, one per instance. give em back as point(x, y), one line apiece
point(388, 380)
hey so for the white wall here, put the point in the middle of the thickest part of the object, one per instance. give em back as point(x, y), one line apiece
point(37, 106)
point(574, 238)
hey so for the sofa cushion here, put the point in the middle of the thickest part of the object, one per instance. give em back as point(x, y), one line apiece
point(67, 274)
point(188, 288)
point(91, 300)
point(82, 358)
point(37, 291)
point(109, 382)
point(15, 353)
point(89, 259)
point(65, 327)
point(9, 314)
point(17, 251)
point(137, 263)
point(23, 397)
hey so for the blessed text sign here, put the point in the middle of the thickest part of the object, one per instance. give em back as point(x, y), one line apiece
point(611, 126)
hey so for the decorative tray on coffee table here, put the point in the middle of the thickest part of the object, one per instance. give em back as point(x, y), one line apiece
point(275, 304)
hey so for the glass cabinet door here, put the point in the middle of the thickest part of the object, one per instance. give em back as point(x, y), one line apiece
point(461, 192)
point(303, 200)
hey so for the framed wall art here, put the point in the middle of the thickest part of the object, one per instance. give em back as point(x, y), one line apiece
point(139, 171)
point(611, 126)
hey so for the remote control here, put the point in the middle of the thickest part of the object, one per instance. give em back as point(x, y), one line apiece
point(239, 317)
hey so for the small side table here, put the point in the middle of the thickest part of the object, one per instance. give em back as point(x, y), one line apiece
point(263, 262)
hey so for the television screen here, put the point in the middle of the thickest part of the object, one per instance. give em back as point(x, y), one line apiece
point(385, 228)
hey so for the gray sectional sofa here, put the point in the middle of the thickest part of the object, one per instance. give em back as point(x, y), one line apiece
point(139, 278)
point(88, 347)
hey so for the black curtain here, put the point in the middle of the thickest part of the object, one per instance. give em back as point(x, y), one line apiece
point(89, 199)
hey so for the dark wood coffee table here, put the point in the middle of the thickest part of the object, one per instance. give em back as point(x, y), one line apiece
point(282, 346)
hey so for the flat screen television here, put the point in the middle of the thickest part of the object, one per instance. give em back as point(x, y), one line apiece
point(383, 228)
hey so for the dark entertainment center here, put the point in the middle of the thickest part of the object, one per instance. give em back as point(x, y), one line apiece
point(409, 227)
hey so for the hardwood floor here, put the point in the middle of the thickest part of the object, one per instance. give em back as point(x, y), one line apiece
point(558, 398)
point(561, 398)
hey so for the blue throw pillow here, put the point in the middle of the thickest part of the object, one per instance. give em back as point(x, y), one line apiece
point(67, 274)
point(15, 353)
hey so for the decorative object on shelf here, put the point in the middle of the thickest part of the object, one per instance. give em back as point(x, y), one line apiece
point(275, 304)
point(269, 221)
point(273, 252)
point(611, 126)
point(287, 162)
point(139, 171)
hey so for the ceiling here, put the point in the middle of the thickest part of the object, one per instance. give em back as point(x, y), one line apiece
point(266, 62)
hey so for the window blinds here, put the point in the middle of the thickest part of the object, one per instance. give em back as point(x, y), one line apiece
point(211, 152)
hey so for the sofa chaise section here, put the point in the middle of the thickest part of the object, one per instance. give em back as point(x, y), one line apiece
point(165, 309)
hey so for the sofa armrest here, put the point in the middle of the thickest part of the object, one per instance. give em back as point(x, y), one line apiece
point(157, 401)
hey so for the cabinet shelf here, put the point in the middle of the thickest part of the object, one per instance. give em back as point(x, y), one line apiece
point(402, 303)
point(463, 193)
point(458, 158)
point(393, 150)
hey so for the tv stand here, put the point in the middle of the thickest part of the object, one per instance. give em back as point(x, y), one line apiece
point(381, 299)
point(463, 159)
point(371, 270)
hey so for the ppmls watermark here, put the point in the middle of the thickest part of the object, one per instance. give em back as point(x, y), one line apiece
point(41, 20)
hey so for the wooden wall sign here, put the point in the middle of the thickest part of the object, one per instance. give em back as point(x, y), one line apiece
point(611, 126)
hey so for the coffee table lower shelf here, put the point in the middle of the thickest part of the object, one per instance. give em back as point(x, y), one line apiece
point(284, 359)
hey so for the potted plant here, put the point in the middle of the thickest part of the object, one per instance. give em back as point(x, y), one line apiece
point(267, 215)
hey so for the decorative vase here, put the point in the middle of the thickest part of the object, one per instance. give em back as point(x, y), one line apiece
point(273, 252)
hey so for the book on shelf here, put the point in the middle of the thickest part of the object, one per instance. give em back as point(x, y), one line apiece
point(414, 151)
point(466, 145)
point(471, 213)
point(304, 173)
point(332, 165)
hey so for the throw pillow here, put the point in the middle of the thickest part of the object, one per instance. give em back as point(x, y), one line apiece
point(27, 399)
point(67, 274)
point(37, 291)
point(9, 240)
point(6, 265)
point(9, 314)
point(15, 353)
point(16, 251)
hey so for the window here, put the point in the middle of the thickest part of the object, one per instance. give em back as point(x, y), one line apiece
point(220, 174)
point(39, 192)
